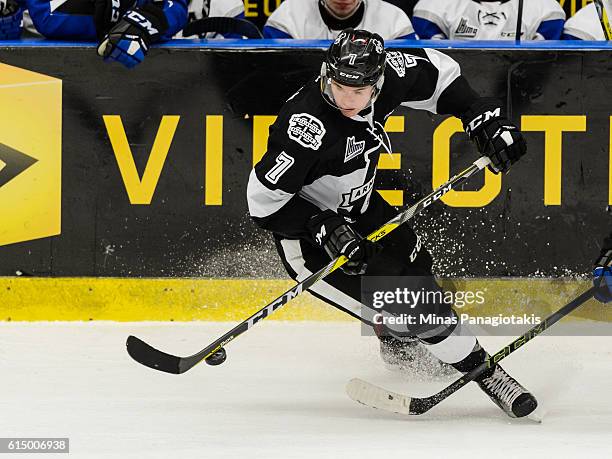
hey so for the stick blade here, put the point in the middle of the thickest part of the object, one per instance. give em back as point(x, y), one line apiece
point(153, 358)
point(376, 397)
point(537, 415)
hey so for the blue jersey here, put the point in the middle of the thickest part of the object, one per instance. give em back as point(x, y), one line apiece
point(73, 19)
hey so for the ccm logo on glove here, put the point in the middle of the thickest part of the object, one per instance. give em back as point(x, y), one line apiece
point(142, 21)
point(495, 136)
point(486, 116)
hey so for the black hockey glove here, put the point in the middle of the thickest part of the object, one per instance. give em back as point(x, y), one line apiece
point(495, 136)
point(108, 12)
point(129, 40)
point(331, 232)
point(602, 275)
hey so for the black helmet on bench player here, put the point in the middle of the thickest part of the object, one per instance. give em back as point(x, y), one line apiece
point(356, 58)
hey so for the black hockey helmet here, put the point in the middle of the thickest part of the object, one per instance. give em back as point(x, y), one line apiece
point(355, 58)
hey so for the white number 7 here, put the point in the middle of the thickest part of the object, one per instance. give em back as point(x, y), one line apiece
point(283, 163)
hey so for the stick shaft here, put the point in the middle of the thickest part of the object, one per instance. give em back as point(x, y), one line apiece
point(519, 22)
point(376, 397)
point(430, 402)
point(158, 360)
point(604, 19)
point(338, 262)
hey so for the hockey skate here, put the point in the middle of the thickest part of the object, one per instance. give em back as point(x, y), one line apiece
point(507, 393)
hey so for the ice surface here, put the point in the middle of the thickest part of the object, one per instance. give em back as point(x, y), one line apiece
point(281, 395)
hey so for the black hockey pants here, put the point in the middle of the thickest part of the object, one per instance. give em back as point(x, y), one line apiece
point(402, 255)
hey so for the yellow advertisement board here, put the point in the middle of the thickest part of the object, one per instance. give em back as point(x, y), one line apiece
point(30, 155)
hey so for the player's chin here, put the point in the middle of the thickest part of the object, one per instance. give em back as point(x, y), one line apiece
point(343, 10)
point(349, 112)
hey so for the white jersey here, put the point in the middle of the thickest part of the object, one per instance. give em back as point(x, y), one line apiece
point(585, 24)
point(487, 20)
point(224, 8)
point(198, 9)
point(301, 19)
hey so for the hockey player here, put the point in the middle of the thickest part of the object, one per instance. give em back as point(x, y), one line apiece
point(124, 28)
point(199, 9)
point(324, 19)
point(487, 20)
point(602, 276)
point(11, 15)
point(313, 188)
point(586, 23)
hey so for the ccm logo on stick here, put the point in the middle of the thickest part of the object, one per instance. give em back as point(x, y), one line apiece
point(277, 304)
point(437, 195)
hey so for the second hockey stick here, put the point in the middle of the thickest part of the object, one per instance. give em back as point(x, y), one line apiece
point(376, 397)
point(603, 19)
point(519, 23)
point(147, 355)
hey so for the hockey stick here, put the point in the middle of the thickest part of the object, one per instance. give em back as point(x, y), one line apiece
point(158, 360)
point(519, 23)
point(603, 19)
point(376, 397)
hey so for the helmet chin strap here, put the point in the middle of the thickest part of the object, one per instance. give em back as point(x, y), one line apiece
point(325, 85)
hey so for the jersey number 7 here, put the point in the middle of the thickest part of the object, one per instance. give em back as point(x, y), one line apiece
point(283, 163)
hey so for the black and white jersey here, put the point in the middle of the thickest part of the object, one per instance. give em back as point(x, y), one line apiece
point(319, 159)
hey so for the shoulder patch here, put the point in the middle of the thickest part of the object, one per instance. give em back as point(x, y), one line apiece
point(402, 61)
point(306, 130)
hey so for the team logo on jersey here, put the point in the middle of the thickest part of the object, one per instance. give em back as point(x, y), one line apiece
point(402, 61)
point(306, 130)
point(357, 193)
point(353, 148)
point(465, 30)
